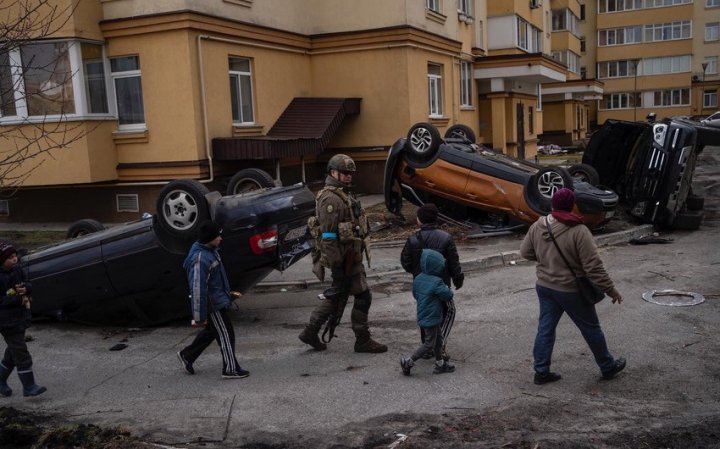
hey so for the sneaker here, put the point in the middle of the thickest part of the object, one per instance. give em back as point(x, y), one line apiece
point(406, 363)
point(443, 367)
point(239, 374)
point(187, 366)
point(546, 378)
point(619, 366)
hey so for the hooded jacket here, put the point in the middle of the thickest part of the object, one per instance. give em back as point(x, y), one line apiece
point(429, 289)
point(209, 286)
point(429, 236)
point(578, 246)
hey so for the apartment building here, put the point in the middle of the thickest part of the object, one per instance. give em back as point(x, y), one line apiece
point(146, 92)
point(653, 56)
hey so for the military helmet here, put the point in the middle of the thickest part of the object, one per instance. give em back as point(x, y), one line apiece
point(341, 162)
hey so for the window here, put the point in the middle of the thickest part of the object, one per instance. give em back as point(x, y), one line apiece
point(668, 31)
point(570, 59)
point(710, 99)
point(582, 12)
point(95, 89)
point(617, 69)
point(241, 97)
point(583, 45)
point(565, 20)
point(464, 7)
point(665, 65)
point(125, 73)
point(711, 3)
point(712, 31)
point(624, 100)
point(528, 37)
point(51, 80)
point(583, 72)
point(620, 36)
point(435, 90)
point(433, 5)
point(465, 83)
point(48, 79)
point(712, 65)
point(671, 97)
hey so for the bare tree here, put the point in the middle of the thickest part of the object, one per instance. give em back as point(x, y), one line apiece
point(35, 87)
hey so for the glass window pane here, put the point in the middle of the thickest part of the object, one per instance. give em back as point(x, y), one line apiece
point(48, 79)
point(94, 79)
point(234, 97)
point(240, 65)
point(129, 100)
point(125, 64)
point(246, 99)
point(7, 92)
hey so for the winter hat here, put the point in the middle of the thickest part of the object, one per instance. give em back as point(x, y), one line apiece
point(427, 213)
point(6, 250)
point(208, 231)
point(563, 199)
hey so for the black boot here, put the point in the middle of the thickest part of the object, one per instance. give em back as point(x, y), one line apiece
point(309, 336)
point(30, 388)
point(5, 390)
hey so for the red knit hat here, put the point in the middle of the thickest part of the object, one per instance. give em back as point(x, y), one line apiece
point(6, 250)
point(563, 199)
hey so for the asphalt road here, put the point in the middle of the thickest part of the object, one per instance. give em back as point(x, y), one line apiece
point(299, 398)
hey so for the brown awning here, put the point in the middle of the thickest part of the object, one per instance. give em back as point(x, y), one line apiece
point(305, 127)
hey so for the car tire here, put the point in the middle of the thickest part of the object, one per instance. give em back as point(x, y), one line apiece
point(423, 141)
point(249, 179)
point(549, 180)
point(83, 227)
point(695, 202)
point(586, 173)
point(462, 132)
point(181, 207)
point(688, 220)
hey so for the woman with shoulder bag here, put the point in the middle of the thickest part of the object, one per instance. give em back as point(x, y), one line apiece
point(564, 250)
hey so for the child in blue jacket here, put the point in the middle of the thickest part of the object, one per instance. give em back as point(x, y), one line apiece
point(429, 292)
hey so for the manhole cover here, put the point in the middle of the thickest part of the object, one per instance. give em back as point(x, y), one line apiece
point(673, 298)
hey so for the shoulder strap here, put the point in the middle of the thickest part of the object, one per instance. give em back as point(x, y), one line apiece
point(418, 236)
point(547, 225)
point(345, 198)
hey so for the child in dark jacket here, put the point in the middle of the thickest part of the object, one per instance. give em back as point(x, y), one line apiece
point(430, 292)
point(15, 303)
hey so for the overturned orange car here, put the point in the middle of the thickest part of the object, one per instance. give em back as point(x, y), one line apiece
point(484, 186)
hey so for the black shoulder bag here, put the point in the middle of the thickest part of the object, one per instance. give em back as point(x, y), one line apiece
point(589, 292)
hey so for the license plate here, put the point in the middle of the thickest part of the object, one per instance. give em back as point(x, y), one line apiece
point(295, 233)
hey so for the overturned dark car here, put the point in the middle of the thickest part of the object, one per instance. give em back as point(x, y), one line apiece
point(651, 166)
point(484, 186)
point(132, 274)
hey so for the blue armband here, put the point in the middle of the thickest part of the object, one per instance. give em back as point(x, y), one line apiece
point(329, 235)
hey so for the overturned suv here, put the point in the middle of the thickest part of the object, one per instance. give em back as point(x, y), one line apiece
point(651, 166)
point(468, 182)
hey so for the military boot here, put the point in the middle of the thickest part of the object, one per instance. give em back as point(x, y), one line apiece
point(309, 336)
point(363, 343)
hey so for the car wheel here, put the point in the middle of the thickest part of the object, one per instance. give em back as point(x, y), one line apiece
point(549, 180)
point(249, 179)
point(423, 141)
point(181, 207)
point(460, 132)
point(585, 172)
point(83, 227)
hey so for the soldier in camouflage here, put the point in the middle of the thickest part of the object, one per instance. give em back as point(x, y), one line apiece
point(341, 228)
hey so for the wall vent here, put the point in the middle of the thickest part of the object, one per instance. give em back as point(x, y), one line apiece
point(127, 203)
point(4, 208)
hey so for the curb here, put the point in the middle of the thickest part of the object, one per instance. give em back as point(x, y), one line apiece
point(480, 263)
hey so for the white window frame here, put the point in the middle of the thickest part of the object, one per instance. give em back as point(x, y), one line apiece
point(712, 3)
point(433, 5)
point(527, 36)
point(77, 71)
point(238, 74)
point(435, 91)
point(617, 69)
point(674, 96)
point(464, 7)
point(712, 65)
point(624, 100)
point(114, 76)
point(710, 99)
point(712, 31)
point(466, 83)
point(666, 65)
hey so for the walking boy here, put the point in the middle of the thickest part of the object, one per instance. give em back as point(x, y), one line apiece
point(430, 236)
point(15, 318)
point(210, 298)
point(430, 292)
